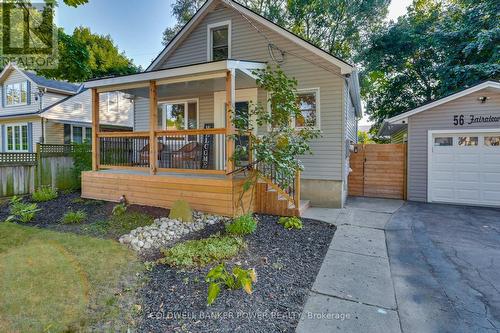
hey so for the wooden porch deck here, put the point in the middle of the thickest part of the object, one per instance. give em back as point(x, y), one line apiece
point(216, 194)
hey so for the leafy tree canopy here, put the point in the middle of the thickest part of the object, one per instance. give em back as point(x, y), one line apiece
point(337, 26)
point(438, 47)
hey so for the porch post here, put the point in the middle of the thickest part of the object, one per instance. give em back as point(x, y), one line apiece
point(95, 130)
point(230, 97)
point(153, 122)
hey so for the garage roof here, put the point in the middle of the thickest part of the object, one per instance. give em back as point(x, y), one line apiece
point(403, 117)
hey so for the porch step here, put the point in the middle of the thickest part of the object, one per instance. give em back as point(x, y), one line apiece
point(304, 205)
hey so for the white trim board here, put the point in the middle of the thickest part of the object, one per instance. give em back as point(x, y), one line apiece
point(344, 67)
point(403, 117)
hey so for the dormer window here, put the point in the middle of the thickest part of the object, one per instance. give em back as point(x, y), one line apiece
point(16, 93)
point(219, 41)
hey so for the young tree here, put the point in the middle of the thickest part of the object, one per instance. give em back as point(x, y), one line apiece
point(281, 144)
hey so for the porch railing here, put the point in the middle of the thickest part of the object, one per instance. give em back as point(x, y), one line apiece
point(190, 151)
point(288, 186)
point(124, 150)
point(202, 151)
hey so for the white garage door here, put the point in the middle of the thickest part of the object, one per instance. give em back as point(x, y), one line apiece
point(464, 168)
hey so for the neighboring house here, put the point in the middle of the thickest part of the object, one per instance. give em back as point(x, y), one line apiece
point(453, 147)
point(210, 64)
point(36, 110)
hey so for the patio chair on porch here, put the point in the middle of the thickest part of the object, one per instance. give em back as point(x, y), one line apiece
point(187, 157)
point(144, 154)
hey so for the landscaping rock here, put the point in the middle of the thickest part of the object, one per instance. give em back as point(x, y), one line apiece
point(165, 230)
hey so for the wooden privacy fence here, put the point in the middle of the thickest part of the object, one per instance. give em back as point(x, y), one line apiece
point(21, 173)
point(378, 171)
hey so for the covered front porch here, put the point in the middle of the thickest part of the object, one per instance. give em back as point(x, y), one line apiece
point(183, 140)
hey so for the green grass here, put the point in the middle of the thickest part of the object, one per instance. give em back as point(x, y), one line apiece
point(58, 282)
point(201, 252)
point(119, 225)
point(73, 217)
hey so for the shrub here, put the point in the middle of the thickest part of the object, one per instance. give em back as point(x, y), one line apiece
point(239, 279)
point(242, 225)
point(290, 222)
point(181, 211)
point(202, 252)
point(119, 225)
point(82, 160)
point(21, 211)
point(119, 209)
point(44, 193)
point(73, 217)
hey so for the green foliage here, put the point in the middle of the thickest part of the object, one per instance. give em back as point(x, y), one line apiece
point(119, 225)
point(290, 222)
point(239, 278)
point(364, 137)
point(437, 48)
point(181, 211)
point(242, 225)
point(82, 160)
point(73, 217)
point(21, 211)
point(44, 193)
point(84, 55)
point(119, 209)
point(281, 146)
point(202, 252)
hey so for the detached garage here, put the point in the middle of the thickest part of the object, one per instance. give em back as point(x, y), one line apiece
point(453, 147)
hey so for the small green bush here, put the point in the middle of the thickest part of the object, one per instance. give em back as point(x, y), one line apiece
point(290, 222)
point(239, 279)
point(181, 211)
point(202, 252)
point(119, 209)
point(242, 225)
point(20, 211)
point(44, 193)
point(73, 217)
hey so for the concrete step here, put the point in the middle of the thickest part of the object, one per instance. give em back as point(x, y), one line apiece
point(304, 205)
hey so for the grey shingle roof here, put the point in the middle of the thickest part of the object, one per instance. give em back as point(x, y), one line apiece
point(59, 85)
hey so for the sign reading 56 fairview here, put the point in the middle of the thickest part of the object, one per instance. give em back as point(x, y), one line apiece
point(460, 120)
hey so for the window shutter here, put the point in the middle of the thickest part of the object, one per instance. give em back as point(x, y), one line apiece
point(28, 92)
point(3, 148)
point(30, 137)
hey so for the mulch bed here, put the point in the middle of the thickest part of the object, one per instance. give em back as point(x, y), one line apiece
point(286, 261)
point(51, 212)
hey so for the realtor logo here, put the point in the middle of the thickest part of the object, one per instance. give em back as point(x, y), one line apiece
point(29, 36)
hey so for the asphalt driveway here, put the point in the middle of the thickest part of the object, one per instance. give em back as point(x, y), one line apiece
point(445, 265)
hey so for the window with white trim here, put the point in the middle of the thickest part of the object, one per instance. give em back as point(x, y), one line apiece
point(308, 101)
point(178, 115)
point(219, 41)
point(17, 137)
point(78, 107)
point(16, 93)
point(77, 134)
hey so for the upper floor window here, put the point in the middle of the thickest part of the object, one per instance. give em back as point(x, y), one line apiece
point(16, 93)
point(219, 41)
point(308, 101)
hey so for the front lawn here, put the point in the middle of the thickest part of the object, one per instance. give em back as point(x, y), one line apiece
point(58, 282)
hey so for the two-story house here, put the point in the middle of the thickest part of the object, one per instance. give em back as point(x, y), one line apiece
point(181, 104)
point(38, 110)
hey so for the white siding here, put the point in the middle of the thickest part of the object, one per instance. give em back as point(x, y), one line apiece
point(328, 160)
point(120, 115)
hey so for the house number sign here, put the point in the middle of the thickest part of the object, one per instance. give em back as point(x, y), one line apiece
point(461, 120)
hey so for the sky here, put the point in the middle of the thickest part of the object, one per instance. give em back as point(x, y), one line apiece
point(136, 27)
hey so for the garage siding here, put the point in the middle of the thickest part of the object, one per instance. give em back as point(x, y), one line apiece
point(441, 118)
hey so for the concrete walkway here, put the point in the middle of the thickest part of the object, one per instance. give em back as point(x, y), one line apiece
point(353, 291)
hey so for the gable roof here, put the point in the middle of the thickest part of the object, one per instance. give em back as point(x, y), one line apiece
point(344, 66)
point(53, 85)
point(445, 99)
